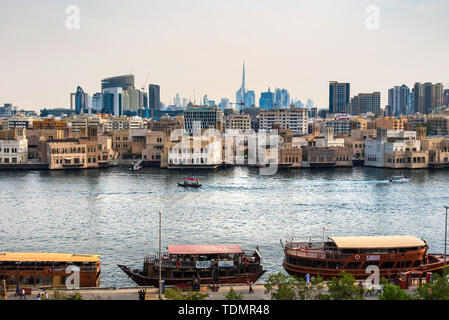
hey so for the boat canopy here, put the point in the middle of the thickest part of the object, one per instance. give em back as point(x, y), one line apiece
point(204, 249)
point(377, 242)
point(191, 179)
point(48, 257)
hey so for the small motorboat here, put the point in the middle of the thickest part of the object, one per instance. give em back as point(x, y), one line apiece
point(136, 166)
point(189, 183)
point(399, 179)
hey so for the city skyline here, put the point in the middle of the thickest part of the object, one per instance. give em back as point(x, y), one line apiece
point(182, 56)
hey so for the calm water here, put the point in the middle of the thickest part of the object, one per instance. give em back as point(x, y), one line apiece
point(115, 214)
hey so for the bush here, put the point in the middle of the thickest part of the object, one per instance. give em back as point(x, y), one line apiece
point(344, 288)
point(393, 292)
point(175, 294)
point(284, 287)
point(232, 295)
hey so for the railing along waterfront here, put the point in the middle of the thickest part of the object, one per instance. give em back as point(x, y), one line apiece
point(182, 263)
point(315, 251)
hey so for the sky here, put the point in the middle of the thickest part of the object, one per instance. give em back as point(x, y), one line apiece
point(198, 46)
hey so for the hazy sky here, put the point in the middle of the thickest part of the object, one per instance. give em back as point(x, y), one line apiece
point(200, 45)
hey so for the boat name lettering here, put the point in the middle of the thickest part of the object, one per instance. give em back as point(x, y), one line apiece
point(225, 264)
point(372, 258)
point(203, 264)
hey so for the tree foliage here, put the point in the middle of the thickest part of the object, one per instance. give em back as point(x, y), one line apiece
point(343, 288)
point(393, 292)
point(285, 287)
point(438, 290)
point(175, 294)
point(232, 295)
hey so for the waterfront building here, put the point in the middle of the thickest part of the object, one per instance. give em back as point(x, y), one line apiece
point(202, 117)
point(121, 143)
point(295, 119)
point(154, 147)
point(13, 146)
point(339, 94)
point(365, 103)
point(66, 154)
point(325, 157)
point(289, 155)
point(399, 100)
point(427, 97)
point(184, 153)
point(395, 149)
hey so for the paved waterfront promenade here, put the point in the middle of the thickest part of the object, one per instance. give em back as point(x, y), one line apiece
point(152, 293)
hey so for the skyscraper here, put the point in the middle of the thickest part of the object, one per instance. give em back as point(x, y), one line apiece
point(266, 100)
point(427, 97)
point(399, 100)
point(243, 98)
point(154, 99)
point(281, 99)
point(365, 103)
point(81, 101)
point(339, 94)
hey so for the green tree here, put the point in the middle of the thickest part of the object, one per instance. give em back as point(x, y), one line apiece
point(175, 294)
point(284, 287)
point(438, 290)
point(74, 296)
point(344, 288)
point(232, 295)
point(393, 292)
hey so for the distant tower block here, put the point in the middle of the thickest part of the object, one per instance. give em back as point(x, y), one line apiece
point(421, 133)
point(316, 130)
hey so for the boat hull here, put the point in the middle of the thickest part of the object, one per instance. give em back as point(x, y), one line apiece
point(328, 274)
point(188, 186)
point(153, 281)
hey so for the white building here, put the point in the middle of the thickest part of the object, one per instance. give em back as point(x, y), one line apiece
point(388, 142)
point(14, 151)
point(294, 119)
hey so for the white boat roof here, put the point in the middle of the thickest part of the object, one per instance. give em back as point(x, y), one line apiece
point(377, 242)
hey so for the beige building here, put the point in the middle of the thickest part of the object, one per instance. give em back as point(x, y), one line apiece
point(235, 121)
point(66, 154)
point(154, 147)
point(13, 146)
point(295, 119)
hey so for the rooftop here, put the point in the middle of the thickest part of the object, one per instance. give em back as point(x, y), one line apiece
point(204, 249)
point(377, 242)
point(48, 257)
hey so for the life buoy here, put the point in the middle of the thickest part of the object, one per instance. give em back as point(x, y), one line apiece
point(357, 257)
point(179, 264)
point(246, 261)
point(392, 256)
point(48, 271)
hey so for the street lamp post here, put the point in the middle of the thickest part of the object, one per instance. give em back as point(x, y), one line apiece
point(160, 257)
point(445, 237)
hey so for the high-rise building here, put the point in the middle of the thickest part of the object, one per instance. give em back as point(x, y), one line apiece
point(197, 118)
point(125, 98)
point(154, 99)
point(97, 102)
point(399, 100)
point(266, 100)
point(244, 98)
point(339, 94)
point(81, 101)
point(446, 97)
point(281, 98)
point(224, 104)
point(365, 103)
point(427, 97)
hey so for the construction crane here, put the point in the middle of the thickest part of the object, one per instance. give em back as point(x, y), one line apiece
point(237, 104)
point(146, 81)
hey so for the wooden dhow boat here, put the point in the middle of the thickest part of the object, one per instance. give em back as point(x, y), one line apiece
point(207, 264)
point(48, 269)
point(392, 254)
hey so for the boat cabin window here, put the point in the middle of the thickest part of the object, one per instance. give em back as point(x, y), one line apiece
point(387, 265)
point(353, 265)
point(370, 263)
point(335, 265)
